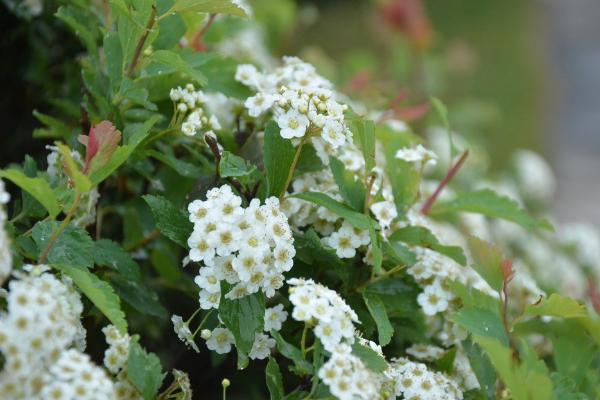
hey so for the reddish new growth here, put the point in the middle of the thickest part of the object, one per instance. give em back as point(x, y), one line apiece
point(507, 274)
point(100, 145)
point(451, 172)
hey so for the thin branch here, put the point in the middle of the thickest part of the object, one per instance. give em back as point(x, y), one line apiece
point(60, 229)
point(142, 41)
point(451, 172)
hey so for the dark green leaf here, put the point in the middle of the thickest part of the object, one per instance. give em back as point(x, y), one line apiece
point(170, 220)
point(364, 131)
point(72, 247)
point(378, 312)
point(293, 353)
point(356, 219)
point(244, 318)
point(278, 156)
point(208, 6)
point(110, 254)
point(483, 369)
point(274, 380)
point(420, 236)
point(370, 357)
point(138, 296)
point(144, 370)
point(351, 188)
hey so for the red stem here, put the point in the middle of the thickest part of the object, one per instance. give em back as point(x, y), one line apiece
point(451, 172)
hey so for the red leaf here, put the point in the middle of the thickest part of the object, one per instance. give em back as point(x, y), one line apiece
point(100, 145)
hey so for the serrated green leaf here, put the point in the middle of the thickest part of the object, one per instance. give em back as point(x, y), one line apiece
point(423, 237)
point(72, 247)
point(278, 156)
point(354, 218)
point(208, 6)
point(481, 322)
point(369, 357)
point(472, 297)
point(99, 292)
point(144, 370)
point(244, 318)
point(274, 380)
point(36, 187)
point(487, 260)
point(351, 189)
point(138, 296)
point(170, 220)
point(293, 353)
point(376, 307)
point(110, 254)
point(491, 204)
point(232, 165)
point(557, 306)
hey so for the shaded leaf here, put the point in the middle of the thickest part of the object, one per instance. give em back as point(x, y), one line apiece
point(170, 220)
point(144, 370)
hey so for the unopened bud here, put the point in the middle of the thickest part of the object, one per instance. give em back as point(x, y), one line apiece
point(205, 334)
point(225, 383)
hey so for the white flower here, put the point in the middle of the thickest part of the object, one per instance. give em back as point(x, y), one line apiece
point(259, 103)
point(333, 133)
point(209, 300)
point(261, 348)
point(207, 280)
point(432, 301)
point(292, 124)
point(183, 332)
point(343, 244)
point(417, 154)
point(220, 340)
point(385, 212)
point(274, 317)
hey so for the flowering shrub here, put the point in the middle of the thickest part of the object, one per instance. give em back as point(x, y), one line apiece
point(307, 228)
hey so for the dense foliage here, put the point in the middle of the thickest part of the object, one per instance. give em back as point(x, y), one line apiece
point(201, 196)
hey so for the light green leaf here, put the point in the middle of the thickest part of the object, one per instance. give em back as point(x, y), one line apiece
point(422, 237)
point(208, 6)
point(278, 156)
point(173, 60)
point(170, 220)
point(81, 181)
point(442, 111)
point(491, 204)
point(36, 187)
point(274, 380)
point(481, 322)
point(356, 219)
point(351, 189)
point(144, 370)
point(232, 165)
point(72, 247)
point(244, 318)
point(378, 312)
point(487, 262)
point(557, 306)
point(293, 353)
point(375, 246)
point(364, 131)
point(99, 292)
point(369, 357)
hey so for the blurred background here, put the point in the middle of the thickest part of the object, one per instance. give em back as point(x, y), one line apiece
point(513, 73)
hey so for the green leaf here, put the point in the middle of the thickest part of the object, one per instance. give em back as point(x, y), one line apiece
point(183, 168)
point(398, 253)
point(375, 246)
point(138, 296)
point(565, 388)
point(76, 20)
point(170, 220)
point(369, 357)
point(473, 298)
point(557, 306)
point(422, 237)
point(72, 247)
point(442, 111)
point(356, 219)
point(487, 262)
point(113, 55)
point(232, 165)
point(351, 188)
point(446, 362)
point(244, 318)
point(274, 380)
point(278, 156)
point(364, 131)
point(378, 312)
point(99, 292)
point(491, 204)
point(110, 254)
point(81, 181)
point(173, 60)
point(170, 29)
point(56, 129)
point(398, 295)
point(144, 370)
point(311, 251)
point(293, 353)
point(36, 187)
point(481, 322)
point(209, 7)
point(483, 369)
point(405, 180)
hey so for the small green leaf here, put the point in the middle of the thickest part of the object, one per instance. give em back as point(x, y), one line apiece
point(173, 60)
point(487, 262)
point(72, 247)
point(110, 254)
point(82, 182)
point(557, 306)
point(36, 187)
point(144, 370)
point(370, 357)
point(99, 292)
point(491, 204)
point(232, 165)
point(422, 237)
point(209, 7)
point(364, 131)
point(356, 219)
point(244, 318)
point(293, 353)
point(378, 312)
point(375, 246)
point(170, 220)
point(351, 189)
point(443, 114)
point(278, 156)
point(274, 380)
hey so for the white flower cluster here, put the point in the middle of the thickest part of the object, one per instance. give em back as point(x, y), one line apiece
point(191, 104)
point(115, 360)
point(5, 252)
point(182, 329)
point(333, 318)
point(86, 211)
point(249, 248)
point(414, 381)
point(347, 376)
point(75, 377)
point(40, 324)
point(417, 154)
point(303, 102)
